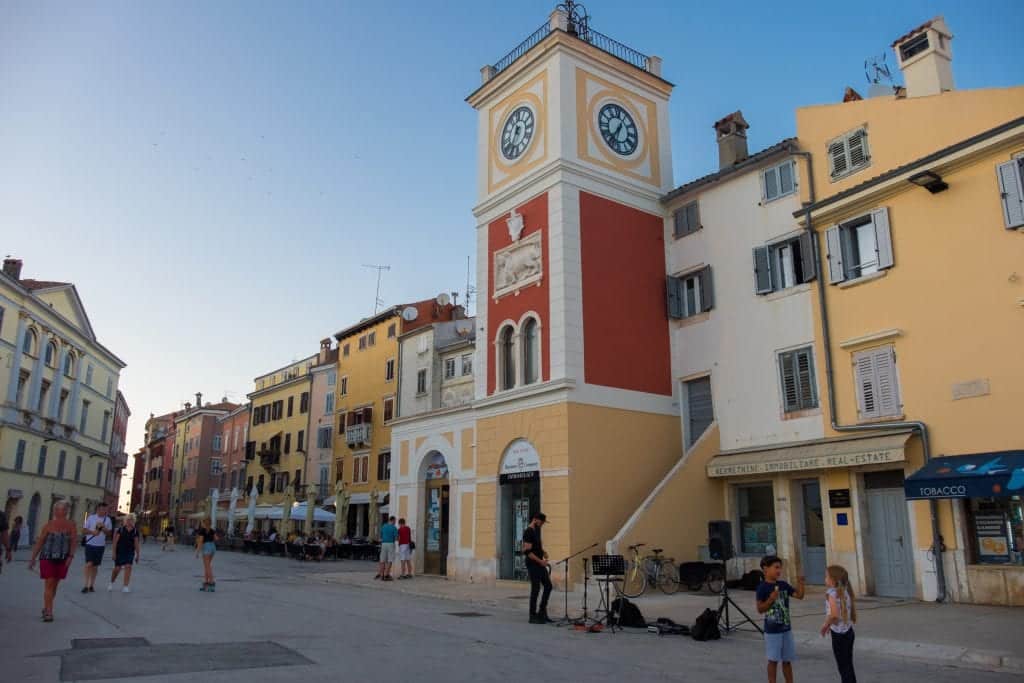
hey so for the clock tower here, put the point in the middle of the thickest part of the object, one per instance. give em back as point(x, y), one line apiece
point(575, 413)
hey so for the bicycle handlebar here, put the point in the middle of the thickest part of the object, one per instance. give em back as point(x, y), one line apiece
point(637, 546)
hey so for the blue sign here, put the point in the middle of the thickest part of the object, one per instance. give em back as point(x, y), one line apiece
point(980, 475)
point(842, 519)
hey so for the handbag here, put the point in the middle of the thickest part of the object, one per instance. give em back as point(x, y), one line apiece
point(412, 545)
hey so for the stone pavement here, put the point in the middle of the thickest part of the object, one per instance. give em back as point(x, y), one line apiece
point(969, 636)
point(273, 619)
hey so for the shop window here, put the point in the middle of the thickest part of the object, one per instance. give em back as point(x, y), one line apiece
point(996, 530)
point(756, 512)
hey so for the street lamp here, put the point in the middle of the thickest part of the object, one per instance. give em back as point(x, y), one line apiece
point(929, 180)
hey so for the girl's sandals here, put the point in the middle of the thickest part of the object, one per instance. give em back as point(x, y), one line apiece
point(47, 616)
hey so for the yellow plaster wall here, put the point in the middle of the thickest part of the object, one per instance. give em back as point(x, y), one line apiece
point(403, 459)
point(468, 456)
point(486, 521)
point(901, 130)
point(261, 433)
point(466, 514)
point(403, 506)
point(677, 517)
point(617, 458)
point(843, 537)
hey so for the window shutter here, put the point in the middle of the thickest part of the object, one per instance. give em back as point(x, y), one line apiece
point(864, 371)
point(368, 414)
point(786, 183)
point(675, 297)
point(805, 379)
point(857, 145)
point(700, 408)
point(886, 389)
point(807, 257)
point(762, 271)
point(707, 290)
point(692, 217)
point(1012, 191)
point(883, 237)
point(837, 158)
point(789, 384)
point(679, 219)
point(834, 244)
point(770, 183)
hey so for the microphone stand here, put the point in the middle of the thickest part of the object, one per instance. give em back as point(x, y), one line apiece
point(565, 620)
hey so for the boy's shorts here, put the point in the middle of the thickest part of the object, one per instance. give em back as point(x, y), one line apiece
point(780, 647)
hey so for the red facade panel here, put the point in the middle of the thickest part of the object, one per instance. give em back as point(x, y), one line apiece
point(533, 297)
point(625, 324)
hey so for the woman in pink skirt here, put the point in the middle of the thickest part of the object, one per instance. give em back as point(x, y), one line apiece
point(55, 549)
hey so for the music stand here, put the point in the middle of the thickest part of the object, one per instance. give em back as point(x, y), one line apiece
point(610, 566)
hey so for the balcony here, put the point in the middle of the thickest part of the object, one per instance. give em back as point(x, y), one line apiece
point(270, 458)
point(118, 461)
point(358, 434)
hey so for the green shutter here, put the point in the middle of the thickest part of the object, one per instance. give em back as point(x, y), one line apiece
point(674, 285)
point(707, 290)
point(808, 262)
point(762, 270)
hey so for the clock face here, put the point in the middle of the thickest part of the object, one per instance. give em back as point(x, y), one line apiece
point(618, 129)
point(517, 133)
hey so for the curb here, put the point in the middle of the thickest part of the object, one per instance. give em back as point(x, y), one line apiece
point(949, 655)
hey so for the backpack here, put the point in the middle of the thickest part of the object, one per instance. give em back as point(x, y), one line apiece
point(626, 613)
point(706, 626)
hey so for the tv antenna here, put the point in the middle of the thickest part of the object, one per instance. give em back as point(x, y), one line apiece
point(377, 301)
point(877, 71)
point(470, 289)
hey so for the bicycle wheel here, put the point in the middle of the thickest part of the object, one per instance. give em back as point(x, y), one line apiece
point(634, 583)
point(716, 579)
point(668, 577)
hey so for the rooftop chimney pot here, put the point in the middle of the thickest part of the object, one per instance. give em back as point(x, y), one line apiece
point(12, 268)
point(199, 399)
point(925, 56)
point(731, 133)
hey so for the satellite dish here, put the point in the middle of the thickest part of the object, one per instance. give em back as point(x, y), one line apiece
point(409, 313)
point(443, 299)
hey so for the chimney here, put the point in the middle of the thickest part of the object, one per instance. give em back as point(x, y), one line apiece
point(12, 268)
point(325, 348)
point(925, 56)
point(199, 399)
point(731, 133)
point(188, 406)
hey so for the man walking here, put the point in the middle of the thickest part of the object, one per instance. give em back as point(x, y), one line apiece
point(388, 536)
point(537, 566)
point(97, 526)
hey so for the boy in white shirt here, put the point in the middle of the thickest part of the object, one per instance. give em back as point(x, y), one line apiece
point(97, 526)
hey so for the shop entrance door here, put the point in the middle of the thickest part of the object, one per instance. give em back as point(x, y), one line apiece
point(435, 552)
point(518, 501)
point(812, 534)
point(891, 561)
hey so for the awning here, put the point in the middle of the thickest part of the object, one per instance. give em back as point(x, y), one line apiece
point(978, 475)
point(826, 453)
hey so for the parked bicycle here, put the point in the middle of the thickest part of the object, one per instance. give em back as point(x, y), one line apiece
point(650, 570)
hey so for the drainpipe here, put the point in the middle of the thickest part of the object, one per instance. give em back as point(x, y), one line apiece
point(916, 425)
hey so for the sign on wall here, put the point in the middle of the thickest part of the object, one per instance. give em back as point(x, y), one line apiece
point(723, 465)
point(521, 462)
point(839, 498)
point(993, 542)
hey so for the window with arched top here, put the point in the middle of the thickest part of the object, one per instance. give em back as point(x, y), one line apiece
point(69, 364)
point(531, 351)
point(51, 355)
point(30, 341)
point(507, 357)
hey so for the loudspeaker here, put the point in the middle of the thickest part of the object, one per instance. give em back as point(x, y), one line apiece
point(720, 540)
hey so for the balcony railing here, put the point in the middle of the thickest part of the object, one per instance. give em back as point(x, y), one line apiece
point(358, 434)
point(587, 35)
point(118, 461)
point(270, 458)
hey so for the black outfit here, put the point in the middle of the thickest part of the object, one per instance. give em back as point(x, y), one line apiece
point(13, 539)
point(538, 573)
point(842, 648)
point(208, 535)
point(124, 553)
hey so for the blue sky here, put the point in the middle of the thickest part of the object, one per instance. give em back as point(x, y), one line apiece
point(213, 176)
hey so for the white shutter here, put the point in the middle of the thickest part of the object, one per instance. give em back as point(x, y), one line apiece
point(1012, 191)
point(857, 145)
point(883, 237)
point(864, 376)
point(887, 389)
point(837, 158)
point(834, 245)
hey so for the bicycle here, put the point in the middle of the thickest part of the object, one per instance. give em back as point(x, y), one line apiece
point(649, 570)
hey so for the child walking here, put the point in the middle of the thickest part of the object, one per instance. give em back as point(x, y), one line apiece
point(773, 602)
point(840, 616)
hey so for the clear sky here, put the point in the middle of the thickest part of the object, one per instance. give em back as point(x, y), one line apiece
point(212, 176)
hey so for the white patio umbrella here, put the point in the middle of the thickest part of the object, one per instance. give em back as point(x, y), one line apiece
point(251, 517)
point(214, 499)
point(231, 510)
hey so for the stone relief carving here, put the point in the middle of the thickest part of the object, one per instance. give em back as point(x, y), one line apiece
point(518, 265)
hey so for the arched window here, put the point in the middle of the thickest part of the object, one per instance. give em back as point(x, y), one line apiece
point(506, 349)
point(51, 355)
point(30, 341)
point(69, 364)
point(531, 352)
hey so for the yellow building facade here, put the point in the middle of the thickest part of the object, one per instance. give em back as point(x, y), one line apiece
point(279, 431)
point(60, 385)
point(922, 296)
point(367, 385)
